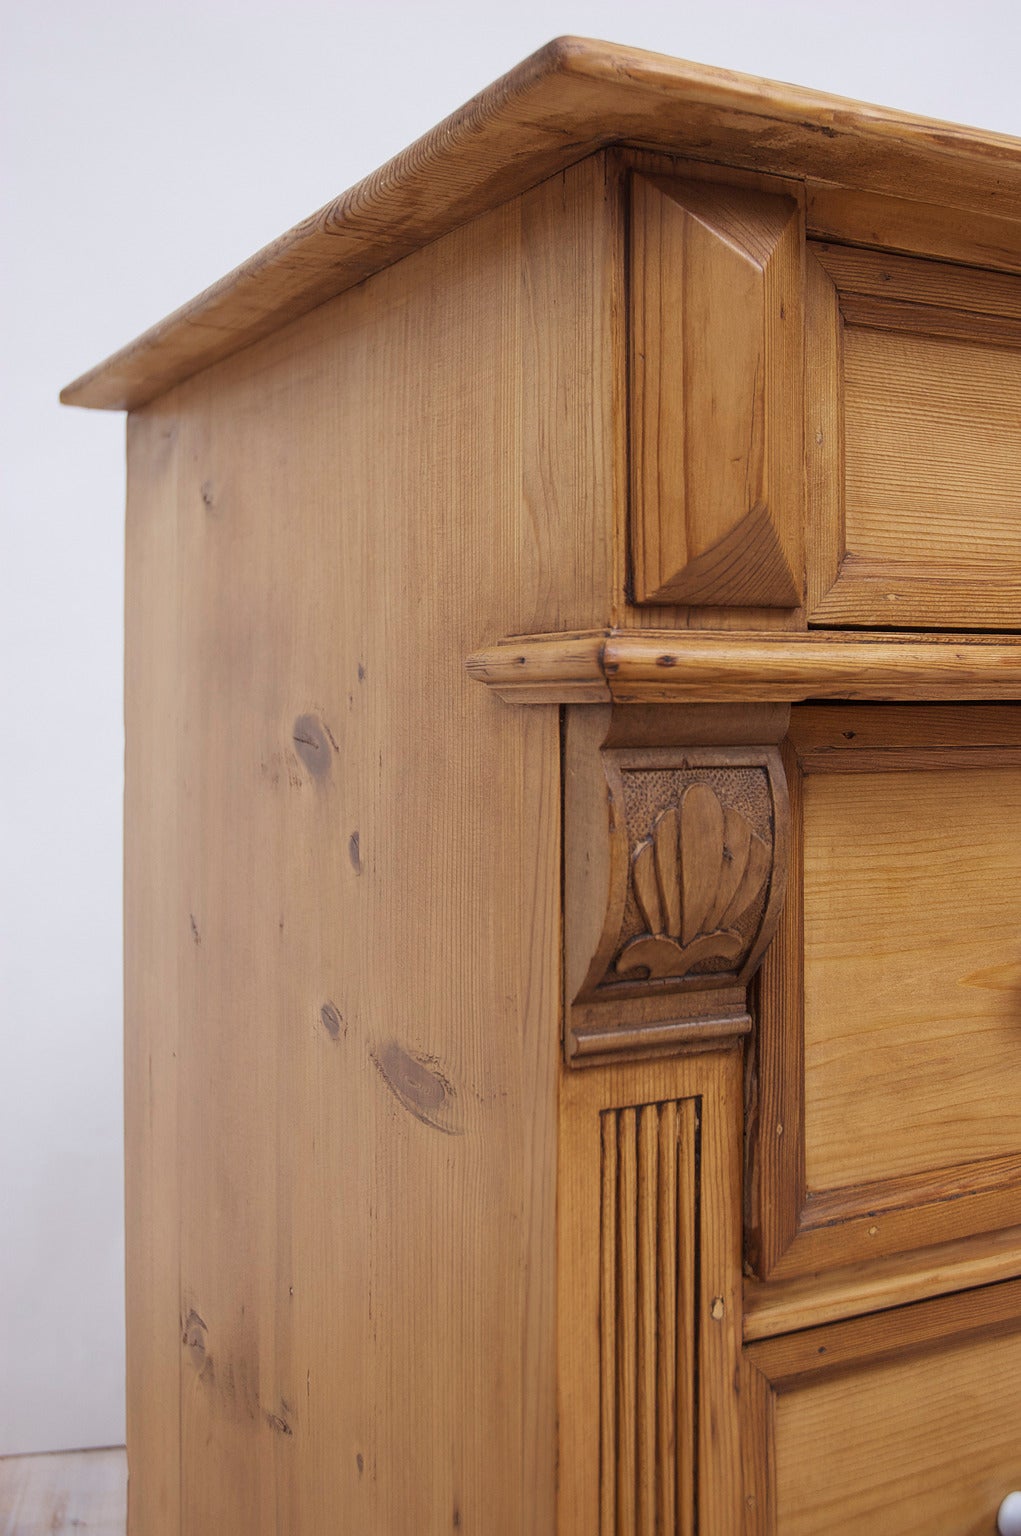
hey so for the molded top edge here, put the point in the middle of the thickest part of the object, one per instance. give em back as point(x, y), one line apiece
point(570, 99)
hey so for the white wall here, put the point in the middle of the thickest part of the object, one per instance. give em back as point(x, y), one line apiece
point(146, 149)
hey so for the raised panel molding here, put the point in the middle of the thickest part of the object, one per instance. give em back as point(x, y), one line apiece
point(825, 1188)
point(716, 392)
point(675, 871)
point(942, 1382)
point(913, 398)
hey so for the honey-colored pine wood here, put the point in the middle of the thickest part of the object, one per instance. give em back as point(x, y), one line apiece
point(950, 292)
point(905, 226)
point(649, 1297)
point(825, 536)
point(675, 860)
point(343, 987)
point(901, 1425)
point(914, 400)
point(623, 165)
point(885, 1085)
point(700, 667)
point(935, 978)
point(785, 1306)
point(450, 1080)
point(715, 286)
point(156, 568)
point(570, 99)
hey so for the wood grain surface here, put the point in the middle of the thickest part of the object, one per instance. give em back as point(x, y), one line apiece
point(677, 667)
point(913, 400)
point(873, 1285)
point(716, 357)
point(901, 1425)
point(912, 968)
point(343, 888)
point(932, 454)
point(392, 1260)
point(884, 1077)
point(567, 100)
point(649, 1298)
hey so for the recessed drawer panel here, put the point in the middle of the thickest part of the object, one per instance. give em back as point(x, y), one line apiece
point(889, 1044)
point(912, 893)
point(903, 1424)
point(914, 442)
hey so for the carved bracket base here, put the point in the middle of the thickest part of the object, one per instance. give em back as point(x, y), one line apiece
point(676, 824)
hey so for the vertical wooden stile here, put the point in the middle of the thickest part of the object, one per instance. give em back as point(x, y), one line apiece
point(648, 1237)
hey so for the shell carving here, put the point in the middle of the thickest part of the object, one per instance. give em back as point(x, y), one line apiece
point(700, 868)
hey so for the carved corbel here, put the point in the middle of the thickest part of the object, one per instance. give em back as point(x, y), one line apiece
point(676, 829)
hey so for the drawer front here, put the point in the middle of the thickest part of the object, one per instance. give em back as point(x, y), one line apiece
point(913, 442)
point(890, 1016)
point(904, 1424)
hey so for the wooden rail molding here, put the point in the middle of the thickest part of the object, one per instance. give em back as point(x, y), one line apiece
point(670, 667)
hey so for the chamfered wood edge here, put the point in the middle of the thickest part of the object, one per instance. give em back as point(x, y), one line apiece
point(667, 666)
point(795, 1359)
point(569, 99)
point(868, 1286)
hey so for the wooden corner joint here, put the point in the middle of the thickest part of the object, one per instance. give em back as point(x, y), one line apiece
point(676, 831)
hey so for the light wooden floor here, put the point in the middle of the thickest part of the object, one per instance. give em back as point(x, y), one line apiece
point(79, 1492)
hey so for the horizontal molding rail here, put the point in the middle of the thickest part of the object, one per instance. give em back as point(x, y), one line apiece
point(670, 667)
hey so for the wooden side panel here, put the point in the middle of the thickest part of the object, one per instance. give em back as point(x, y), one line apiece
point(344, 888)
point(716, 371)
point(649, 1284)
point(153, 902)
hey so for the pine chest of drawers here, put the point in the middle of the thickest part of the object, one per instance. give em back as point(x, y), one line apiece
point(573, 820)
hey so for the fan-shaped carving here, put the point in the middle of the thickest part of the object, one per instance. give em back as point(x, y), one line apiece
point(700, 868)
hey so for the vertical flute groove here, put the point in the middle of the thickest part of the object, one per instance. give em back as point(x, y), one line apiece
point(647, 1317)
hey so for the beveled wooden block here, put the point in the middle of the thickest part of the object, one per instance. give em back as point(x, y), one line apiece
point(716, 305)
